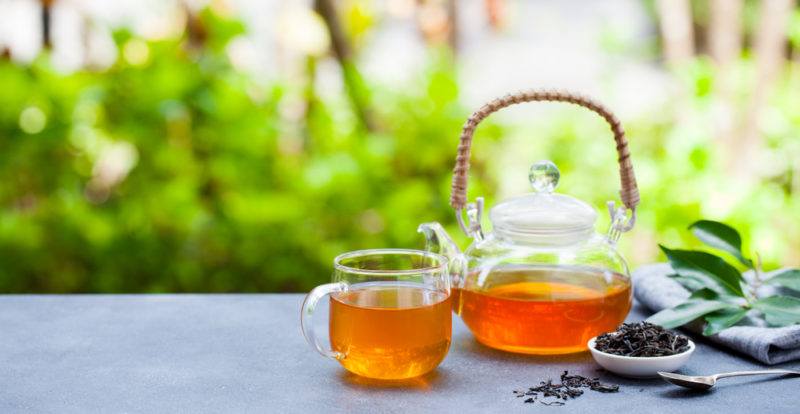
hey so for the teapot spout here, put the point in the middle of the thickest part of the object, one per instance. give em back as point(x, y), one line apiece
point(438, 241)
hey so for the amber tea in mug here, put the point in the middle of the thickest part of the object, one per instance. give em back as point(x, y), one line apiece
point(390, 332)
point(389, 313)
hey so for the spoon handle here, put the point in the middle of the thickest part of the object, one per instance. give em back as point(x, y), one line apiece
point(759, 372)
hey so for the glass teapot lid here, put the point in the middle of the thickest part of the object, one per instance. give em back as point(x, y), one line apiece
point(543, 217)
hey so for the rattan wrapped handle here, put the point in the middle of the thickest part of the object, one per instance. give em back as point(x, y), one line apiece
point(629, 192)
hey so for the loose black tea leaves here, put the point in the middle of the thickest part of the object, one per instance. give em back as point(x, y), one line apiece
point(641, 339)
point(594, 384)
point(547, 393)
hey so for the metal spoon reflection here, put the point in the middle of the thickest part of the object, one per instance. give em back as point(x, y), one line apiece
point(704, 382)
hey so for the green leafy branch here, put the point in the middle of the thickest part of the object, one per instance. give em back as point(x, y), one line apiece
point(720, 294)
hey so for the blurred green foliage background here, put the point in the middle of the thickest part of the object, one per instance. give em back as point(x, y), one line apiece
point(173, 171)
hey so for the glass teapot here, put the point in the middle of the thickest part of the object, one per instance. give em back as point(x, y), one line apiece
point(542, 282)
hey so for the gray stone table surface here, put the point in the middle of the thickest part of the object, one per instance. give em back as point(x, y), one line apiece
point(245, 353)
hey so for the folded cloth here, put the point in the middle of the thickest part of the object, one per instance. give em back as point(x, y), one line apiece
point(655, 290)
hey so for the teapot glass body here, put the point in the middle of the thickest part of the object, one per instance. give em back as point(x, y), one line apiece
point(537, 299)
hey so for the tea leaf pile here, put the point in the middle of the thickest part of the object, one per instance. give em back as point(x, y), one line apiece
point(547, 393)
point(641, 339)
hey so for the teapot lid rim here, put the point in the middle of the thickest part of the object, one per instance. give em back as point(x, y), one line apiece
point(544, 214)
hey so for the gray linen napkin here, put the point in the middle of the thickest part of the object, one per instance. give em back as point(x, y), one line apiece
point(654, 289)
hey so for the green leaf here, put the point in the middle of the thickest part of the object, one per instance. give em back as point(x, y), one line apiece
point(686, 312)
point(704, 293)
point(722, 319)
point(720, 236)
point(708, 294)
point(691, 284)
point(789, 278)
point(780, 310)
point(713, 272)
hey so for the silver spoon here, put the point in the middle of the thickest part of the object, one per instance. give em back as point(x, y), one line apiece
point(708, 381)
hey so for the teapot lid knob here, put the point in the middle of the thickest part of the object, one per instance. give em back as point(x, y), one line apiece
point(544, 176)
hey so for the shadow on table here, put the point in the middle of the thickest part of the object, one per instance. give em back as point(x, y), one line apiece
point(428, 382)
point(474, 349)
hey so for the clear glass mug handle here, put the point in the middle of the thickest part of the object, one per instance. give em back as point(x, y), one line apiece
point(307, 312)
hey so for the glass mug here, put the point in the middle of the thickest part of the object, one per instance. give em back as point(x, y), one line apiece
point(390, 312)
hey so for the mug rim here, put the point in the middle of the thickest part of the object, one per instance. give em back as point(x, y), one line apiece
point(442, 266)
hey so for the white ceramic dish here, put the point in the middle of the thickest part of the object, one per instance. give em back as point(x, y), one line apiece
point(640, 367)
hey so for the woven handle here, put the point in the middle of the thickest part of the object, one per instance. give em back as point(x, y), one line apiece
point(629, 192)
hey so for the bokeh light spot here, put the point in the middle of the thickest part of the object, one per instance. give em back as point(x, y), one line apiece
point(136, 52)
point(32, 120)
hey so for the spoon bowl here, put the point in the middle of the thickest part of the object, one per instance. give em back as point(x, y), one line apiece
point(687, 381)
point(640, 367)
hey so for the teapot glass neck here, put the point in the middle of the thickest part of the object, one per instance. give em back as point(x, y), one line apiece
point(543, 238)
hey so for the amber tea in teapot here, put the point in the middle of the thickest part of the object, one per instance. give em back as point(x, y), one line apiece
point(544, 310)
